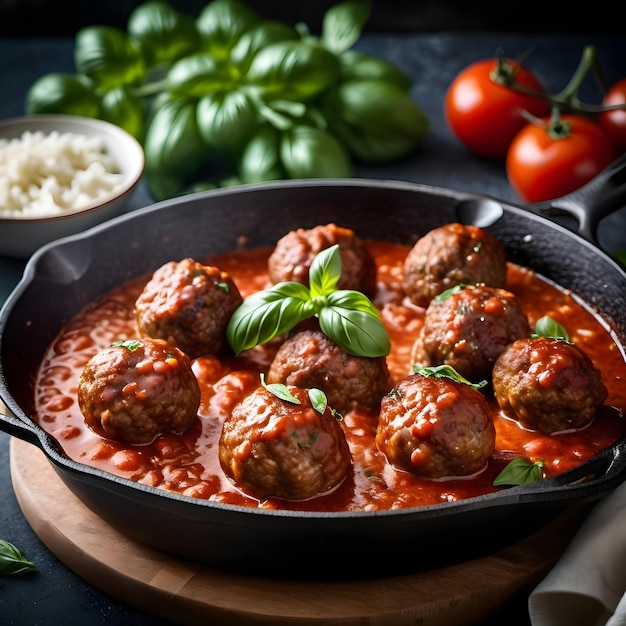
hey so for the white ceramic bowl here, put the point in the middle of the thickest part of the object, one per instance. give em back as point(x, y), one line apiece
point(21, 236)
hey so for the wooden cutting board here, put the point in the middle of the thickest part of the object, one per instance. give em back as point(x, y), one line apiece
point(189, 593)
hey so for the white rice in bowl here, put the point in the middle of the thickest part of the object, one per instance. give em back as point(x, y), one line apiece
point(47, 174)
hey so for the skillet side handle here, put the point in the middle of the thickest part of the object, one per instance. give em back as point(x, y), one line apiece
point(17, 428)
point(600, 197)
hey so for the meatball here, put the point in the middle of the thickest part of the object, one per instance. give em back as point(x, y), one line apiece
point(547, 384)
point(309, 359)
point(189, 305)
point(435, 427)
point(294, 253)
point(270, 447)
point(469, 329)
point(135, 390)
point(450, 255)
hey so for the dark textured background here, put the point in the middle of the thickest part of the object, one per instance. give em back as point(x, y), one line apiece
point(65, 17)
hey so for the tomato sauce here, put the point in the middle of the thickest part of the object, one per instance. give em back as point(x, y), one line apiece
point(188, 464)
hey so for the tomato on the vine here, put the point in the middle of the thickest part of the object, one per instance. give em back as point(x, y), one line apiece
point(557, 156)
point(614, 122)
point(483, 105)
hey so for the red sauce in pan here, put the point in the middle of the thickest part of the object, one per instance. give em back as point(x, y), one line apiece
point(188, 463)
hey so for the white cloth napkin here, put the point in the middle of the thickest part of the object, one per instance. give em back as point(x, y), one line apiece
point(587, 587)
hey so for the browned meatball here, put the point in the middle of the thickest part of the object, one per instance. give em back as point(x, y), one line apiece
point(435, 427)
point(189, 305)
point(294, 253)
point(450, 255)
point(309, 359)
point(547, 384)
point(270, 447)
point(135, 390)
point(468, 329)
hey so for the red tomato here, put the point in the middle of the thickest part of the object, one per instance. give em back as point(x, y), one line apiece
point(540, 167)
point(484, 113)
point(614, 122)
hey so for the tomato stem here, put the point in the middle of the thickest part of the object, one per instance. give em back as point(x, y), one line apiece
point(568, 99)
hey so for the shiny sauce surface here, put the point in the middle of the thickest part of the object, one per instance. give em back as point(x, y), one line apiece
point(188, 463)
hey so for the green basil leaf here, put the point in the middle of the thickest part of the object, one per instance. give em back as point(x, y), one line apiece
point(380, 109)
point(518, 472)
point(308, 152)
point(325, 272)
point(120, 107)
point(12, 561)
point(164, 33)
point(260, 35)
point(293, 70)
point(175, 151)
point(279, 390)
point(227, 119)
point(444, 295)
point(268, 314)
point(221, 23)
point(260, 160)
point(197, 75)
point(108, 56)
point(355, 332)
point(318, 399)
point(343, 23)
point(447, 371)
point(548, 327)
point(355, 300)
point(358, 65)
point(63, 93)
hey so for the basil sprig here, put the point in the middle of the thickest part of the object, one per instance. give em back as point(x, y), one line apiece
point(447, 371)
point(548, 327)
point(518, 472)
point(345, 316)
point(12, 561)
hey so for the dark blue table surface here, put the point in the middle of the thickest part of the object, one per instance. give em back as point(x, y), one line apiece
point(56, 595)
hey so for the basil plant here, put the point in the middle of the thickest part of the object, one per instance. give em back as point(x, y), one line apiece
point(228, 96)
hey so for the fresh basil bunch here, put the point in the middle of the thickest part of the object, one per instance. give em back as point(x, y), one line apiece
point(230, 97)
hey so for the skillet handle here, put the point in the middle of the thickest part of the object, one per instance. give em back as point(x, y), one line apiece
point(601, 196)
point(18, 428)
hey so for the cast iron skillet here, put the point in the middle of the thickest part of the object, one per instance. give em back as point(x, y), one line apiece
point(64, 276)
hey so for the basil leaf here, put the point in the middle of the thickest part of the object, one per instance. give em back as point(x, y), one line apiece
point(256, 38)
point(175, 151)
point(547, 327)
point(343, 23)
point(226, 120)
point(120, 107)
point(444, 295)
point(325, 272)
point(308, 152)
point(358, 65)
point(318, 399)
point(293, 70)
point(447, 371)
point(355, 332)
point(164, 33)
point(12, 561)
point(108, 56)
point(376, 120)
point(349, 299)
point(260, 160)
point(63, 93)
point(197, 75)
point(221, 23)
point(280, 391)
point(518, 472)
point(268, 314)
